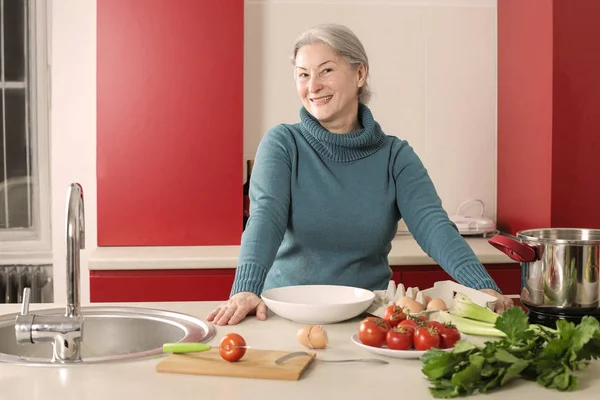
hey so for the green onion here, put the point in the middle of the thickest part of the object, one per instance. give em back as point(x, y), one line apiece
point(463, 306)
point(470, 326)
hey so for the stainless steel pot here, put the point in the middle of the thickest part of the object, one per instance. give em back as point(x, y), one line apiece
point(559, 268)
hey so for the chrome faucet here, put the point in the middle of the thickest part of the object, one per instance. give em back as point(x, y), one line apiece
point(64, 332)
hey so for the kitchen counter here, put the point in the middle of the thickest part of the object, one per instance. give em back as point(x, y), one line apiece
point(405, 251)
point(138, 379)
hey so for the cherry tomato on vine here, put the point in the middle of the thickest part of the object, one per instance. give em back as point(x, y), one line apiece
point(426, 338)
point(373, 332)
point(394, 314)
point(435, 324)
point(449, 335)
point(409, 323)
point(400, 338)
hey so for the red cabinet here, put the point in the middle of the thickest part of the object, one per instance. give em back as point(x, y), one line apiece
point(215, 284)
point(169, 122)
point(506, 276)
point(161, 285)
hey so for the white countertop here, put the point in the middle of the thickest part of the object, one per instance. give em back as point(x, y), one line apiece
point(405, 251)
point(138, 379)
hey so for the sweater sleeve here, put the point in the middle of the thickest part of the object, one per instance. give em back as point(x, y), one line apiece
point(421, 208)
point(269, 194)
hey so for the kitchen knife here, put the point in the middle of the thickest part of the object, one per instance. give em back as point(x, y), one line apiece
point(191, 347)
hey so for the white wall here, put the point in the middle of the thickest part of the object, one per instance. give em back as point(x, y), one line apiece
point(433, 71)
point(73, 128)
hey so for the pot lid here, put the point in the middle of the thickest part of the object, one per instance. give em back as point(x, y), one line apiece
point(573, 236)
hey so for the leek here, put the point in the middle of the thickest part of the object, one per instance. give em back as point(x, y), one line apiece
point(463, 306)
point(470, 326)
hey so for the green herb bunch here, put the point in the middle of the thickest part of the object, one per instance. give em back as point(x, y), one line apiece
point(529, 351)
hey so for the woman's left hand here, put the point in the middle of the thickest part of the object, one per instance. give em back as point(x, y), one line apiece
point(503, 303)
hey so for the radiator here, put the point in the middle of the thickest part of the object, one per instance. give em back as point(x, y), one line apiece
point(14, 278)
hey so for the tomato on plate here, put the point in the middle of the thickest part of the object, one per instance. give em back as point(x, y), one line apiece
point(400, 338)
point(378, 320)
point(435, 324)
point(409, 323)
point(230, 349)
point(419, 318)
point(449, 335)
point(426, 338)
point(372, 332)
point(395, 320)
point(394, 314)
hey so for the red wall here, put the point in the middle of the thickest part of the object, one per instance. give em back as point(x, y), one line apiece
point(524, 114)
point(576, 148)
point(170, 122)
point(548, 85)
point(170, 119)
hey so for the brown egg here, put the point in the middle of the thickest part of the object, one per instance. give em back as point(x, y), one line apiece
point(413, 306)
point(313, 337)
point(437, 304)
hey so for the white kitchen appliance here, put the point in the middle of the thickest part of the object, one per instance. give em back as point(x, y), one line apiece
point(469, 223)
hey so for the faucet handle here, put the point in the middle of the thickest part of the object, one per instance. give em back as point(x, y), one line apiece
point(25, 304)
point(24, 321)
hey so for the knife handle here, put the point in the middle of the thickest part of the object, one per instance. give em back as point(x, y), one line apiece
point(185, 347)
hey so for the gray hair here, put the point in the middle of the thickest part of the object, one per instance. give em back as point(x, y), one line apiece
point(344, 42)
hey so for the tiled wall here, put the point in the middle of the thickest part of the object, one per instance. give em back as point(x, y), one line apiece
point(433, 72)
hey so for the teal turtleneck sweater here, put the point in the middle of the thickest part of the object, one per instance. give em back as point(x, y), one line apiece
point(325, 207)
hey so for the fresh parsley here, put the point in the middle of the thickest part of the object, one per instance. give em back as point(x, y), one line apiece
point(529, 351)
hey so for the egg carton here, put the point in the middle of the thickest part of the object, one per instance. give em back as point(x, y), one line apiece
point(445, 290)
point(384, 298)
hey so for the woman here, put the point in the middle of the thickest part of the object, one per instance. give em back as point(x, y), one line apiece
point(327, 193)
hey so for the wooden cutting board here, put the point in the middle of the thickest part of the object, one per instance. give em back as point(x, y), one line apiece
point(255, 364)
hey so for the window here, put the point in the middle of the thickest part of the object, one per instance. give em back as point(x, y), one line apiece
point(24, 122)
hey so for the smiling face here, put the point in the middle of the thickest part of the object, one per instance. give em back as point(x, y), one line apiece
point(328, 87)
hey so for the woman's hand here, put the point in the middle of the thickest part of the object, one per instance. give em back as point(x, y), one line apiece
point(237, 307)
point(503, 303)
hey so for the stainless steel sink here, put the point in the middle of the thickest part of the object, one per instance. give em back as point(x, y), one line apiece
point(109, 334)
point(76, 335)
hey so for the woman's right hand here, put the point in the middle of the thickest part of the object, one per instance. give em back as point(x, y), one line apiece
point(237, 307)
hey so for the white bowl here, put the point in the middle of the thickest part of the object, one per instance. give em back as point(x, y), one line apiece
point(318, 304)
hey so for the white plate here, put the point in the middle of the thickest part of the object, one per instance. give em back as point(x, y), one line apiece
point(385, 351)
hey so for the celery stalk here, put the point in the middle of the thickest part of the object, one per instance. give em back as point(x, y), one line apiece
point(470, 326)
point(463, 306)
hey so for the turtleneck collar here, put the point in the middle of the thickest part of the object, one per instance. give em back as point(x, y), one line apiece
point(343, 147)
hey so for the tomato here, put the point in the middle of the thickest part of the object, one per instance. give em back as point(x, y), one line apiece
point(373, 332)
point(399, 338)
point(420, 318)
point(229, 347)
point(378, 320)
point(395, 319)
point(449, 335)
point(436, 325)
point(409, 323)
point(394, 315)
point(426, 338)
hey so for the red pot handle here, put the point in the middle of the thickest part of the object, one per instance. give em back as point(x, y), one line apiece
point(514, 249)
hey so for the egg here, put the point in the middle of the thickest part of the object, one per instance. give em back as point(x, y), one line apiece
point(313, 337)
point(413, 306)
point(437, 304)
